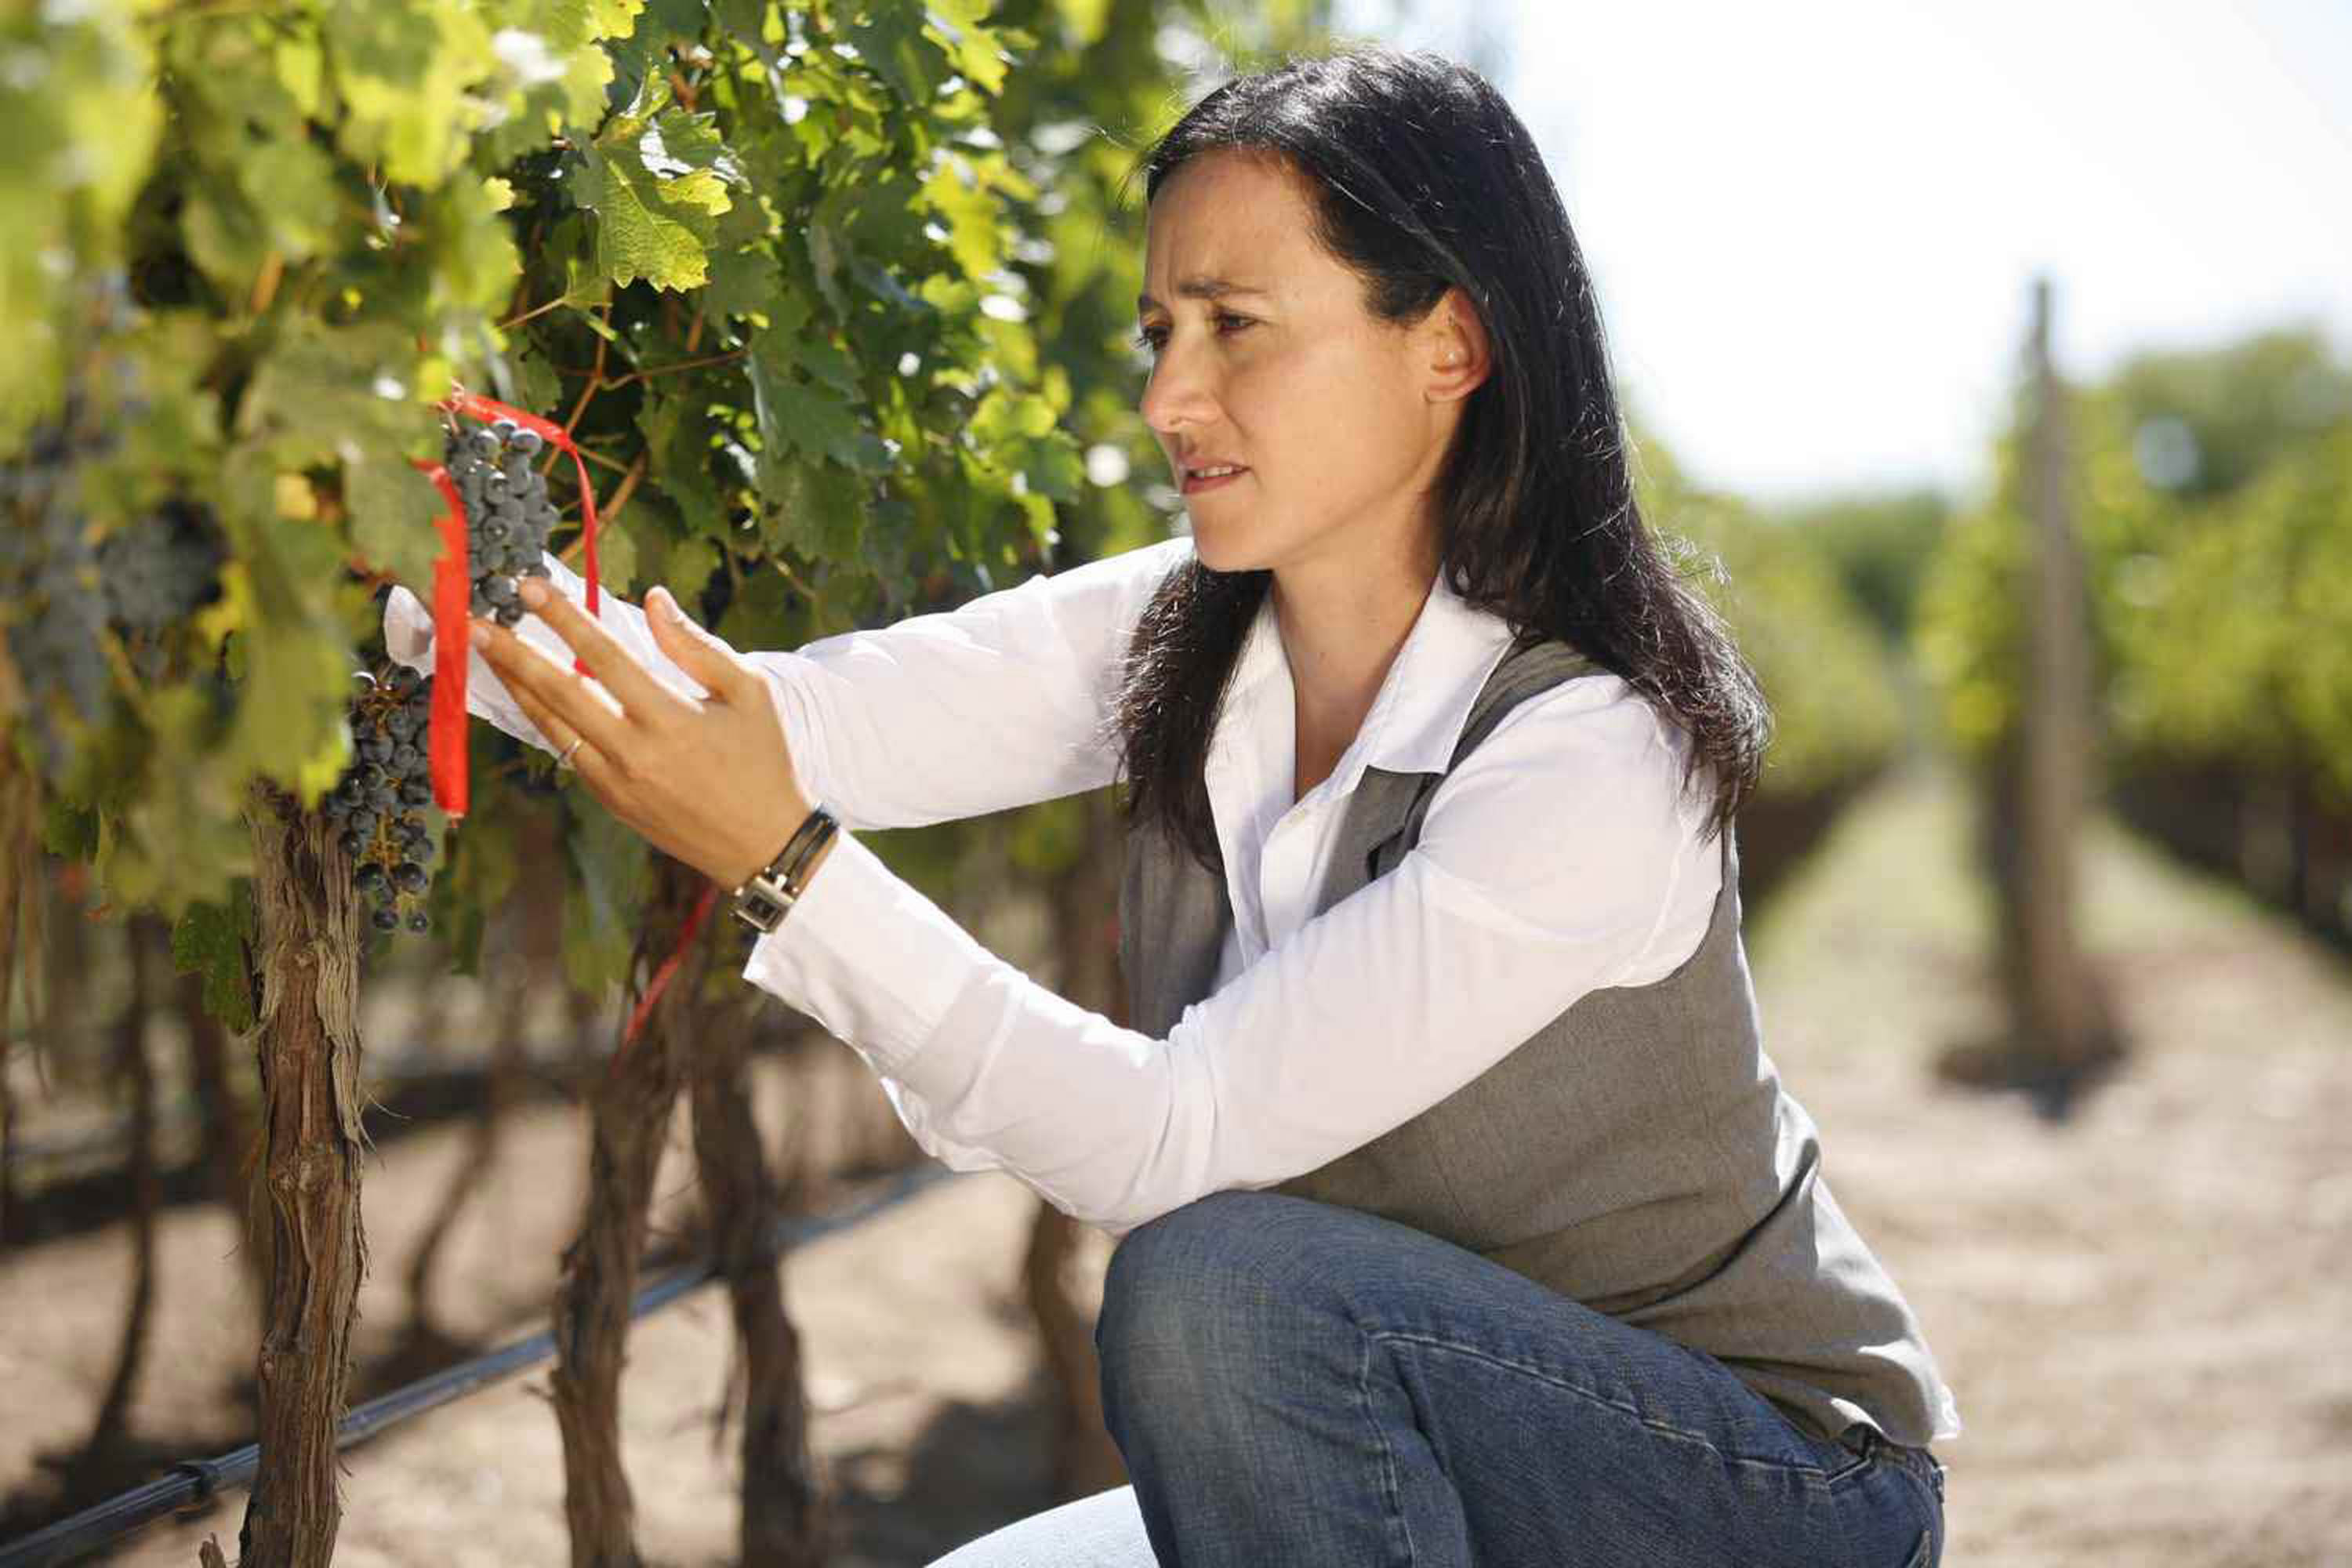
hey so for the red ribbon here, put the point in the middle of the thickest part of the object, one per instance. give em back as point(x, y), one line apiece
point(451, 588)
point(452, 593)
point(662, 976)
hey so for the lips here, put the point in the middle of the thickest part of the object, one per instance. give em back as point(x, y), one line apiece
point(1196, 479)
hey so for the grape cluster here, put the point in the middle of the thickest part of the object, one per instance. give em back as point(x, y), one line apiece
point(377, 807)
point(507, 514)
point(51, 594)
point(161, 566)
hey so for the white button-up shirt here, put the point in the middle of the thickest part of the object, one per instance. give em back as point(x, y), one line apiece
point(1561, 857)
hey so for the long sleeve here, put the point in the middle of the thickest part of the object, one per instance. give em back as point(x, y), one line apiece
point(1547, 865)
point(999, 702)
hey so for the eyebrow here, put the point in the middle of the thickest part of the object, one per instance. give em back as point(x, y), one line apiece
point(1198, 288)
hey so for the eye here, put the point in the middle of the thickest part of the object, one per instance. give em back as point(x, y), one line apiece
point(1227, 323)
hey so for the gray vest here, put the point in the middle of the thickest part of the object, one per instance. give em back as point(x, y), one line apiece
point(1636, 1153)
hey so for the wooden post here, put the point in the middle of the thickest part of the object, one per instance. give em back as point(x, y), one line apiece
point(2061, 1016)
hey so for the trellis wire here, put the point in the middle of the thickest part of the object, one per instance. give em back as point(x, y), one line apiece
point(199, 1481)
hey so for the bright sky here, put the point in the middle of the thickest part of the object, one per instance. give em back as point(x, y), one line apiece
point(1814, 226)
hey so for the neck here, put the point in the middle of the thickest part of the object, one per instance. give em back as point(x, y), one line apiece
point(1341, 624)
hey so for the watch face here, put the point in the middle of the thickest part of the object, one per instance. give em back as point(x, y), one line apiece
point(761, 909)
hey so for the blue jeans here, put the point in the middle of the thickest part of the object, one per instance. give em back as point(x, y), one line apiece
point(1295, 1385)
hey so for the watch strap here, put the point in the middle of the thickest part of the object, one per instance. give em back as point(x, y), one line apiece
point(764, 898)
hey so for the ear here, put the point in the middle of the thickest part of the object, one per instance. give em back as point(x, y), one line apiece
point(1456, 354)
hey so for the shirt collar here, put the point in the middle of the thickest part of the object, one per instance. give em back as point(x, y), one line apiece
point(1424, 700)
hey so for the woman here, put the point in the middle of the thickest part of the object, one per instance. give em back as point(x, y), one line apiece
point(1462, 1217)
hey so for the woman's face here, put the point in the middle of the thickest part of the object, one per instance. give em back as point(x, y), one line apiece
point(1339, 422)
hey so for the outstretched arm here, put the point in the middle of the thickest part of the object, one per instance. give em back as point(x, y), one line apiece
point(997, 703)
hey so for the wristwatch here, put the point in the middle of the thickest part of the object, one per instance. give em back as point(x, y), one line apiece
point(768, 895)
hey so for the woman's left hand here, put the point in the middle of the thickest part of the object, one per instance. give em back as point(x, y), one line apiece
point(709, 782)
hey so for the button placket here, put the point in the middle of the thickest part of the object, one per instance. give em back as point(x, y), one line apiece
point(1287, 867)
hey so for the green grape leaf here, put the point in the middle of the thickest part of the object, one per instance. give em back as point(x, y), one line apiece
point(1051, 466)
point(403, 67)
point(742, 281)
point(616, 561)
point(656, 229)
point(687, 569)
point(979, 57)
point(182, 837)
point(656, 181)
point(70, 829)
point(796, 416)
point(210, 939)
point(395, 520)
point(612, 871)
point(819, 508)
point(323, 393)
point(466, 245)
point(890, 38)
point(293, 657)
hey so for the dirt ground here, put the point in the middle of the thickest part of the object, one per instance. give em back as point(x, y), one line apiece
point(2141, 1308)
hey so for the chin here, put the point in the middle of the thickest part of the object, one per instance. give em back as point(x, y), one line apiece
point(1219, 553)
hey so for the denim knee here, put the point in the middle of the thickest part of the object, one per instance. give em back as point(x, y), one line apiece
point(1195, 1302)
point(1161, 1274)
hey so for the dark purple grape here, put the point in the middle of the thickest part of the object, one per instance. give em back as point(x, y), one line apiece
point(418, 923)
point(363, 823)
point(352, 843)
point(386, 917)
point(406, 759)
point(509, 614)
point(485, 444)
point(417, 791)
point(368, 877)
point(410, 878)
point(403, 681)
point(526, 442)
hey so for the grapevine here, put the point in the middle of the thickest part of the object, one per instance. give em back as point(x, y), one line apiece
point(377, 808)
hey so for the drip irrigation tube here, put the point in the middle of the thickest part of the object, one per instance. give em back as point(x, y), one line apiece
point(199, 1481)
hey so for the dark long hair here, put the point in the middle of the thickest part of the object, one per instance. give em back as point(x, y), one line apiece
point(1421, 178)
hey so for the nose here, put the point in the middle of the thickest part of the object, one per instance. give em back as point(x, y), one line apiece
point(1179, 393)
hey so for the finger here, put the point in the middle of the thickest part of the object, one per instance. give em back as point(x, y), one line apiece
point(559, 737)
point(703, 655)
point(631, 683)
point(547, 690)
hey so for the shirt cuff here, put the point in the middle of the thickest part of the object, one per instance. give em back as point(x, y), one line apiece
point(869, 958)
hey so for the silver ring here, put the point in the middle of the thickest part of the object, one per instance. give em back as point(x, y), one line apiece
point(564, 761)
